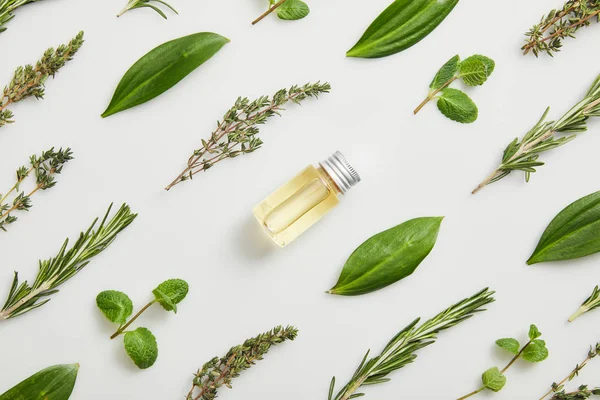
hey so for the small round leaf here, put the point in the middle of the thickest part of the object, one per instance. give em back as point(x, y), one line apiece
point(116, 306)
point(534, 332)
point(509, 344)
point(293, 10)
point(493, 379)
point(475, 70)
point(457, 106)
point(141, 346)
point(536, 351)
point(170, 293)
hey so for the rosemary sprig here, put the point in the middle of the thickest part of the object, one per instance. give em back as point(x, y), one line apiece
point(133, 4)
point(237, 133)
point(399, 352)
point(6, 10)
point(559, 388)
point(44, 167)
point(548, 35)
point(589, 304)
point(220, 372)
point(523, 155)
point(55, 271)
point(30, 81)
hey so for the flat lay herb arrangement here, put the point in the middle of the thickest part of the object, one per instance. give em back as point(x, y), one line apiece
point(381, 261)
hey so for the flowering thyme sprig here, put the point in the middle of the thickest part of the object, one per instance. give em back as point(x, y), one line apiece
point(6, 10)
point(220, 372)
point(548, 35)
point(237, 133)
point(558, 389)
point(44, 168)
point(523, 155)
point(29, 80)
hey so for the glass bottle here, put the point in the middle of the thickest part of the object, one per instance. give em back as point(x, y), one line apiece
point(297, 205)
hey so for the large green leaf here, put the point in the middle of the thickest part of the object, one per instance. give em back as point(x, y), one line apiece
point(573, 233)
point(476, 69)
point(293, 10)
point(388, 257)
point(115, 305)
point(142, 347)
point(52, 383)
point(493, 379)
point(170, 293)
point(403, 24)
point(162, 68)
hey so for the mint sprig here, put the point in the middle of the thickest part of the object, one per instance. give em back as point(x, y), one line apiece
point(453, 103)
point(534, 350)
point(140, 344)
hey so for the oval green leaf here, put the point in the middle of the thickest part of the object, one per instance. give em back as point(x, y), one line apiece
point(403, 24)
point(293, 10)
point(493, 379)
point(170, 293)
point(509, 344)
point(388, 257)
point(445, 73)
point(457, 106)
point(52, 383)
point(116, 306)
point(162, 68)
point(141, 346)
point(573, 233)
point(476, 69)
point(536, 351)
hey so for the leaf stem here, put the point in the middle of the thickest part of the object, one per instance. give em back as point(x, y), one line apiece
point(431, 95)
point(515, 358)
point(268, 12)
point(473, 393)
point(121, 329)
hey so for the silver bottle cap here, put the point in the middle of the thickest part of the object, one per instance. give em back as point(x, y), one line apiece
point(340, 171)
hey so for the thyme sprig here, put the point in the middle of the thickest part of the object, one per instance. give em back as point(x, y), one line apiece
point(589, 304)
point(558, 389)
point(581, 393)
point(237, 133)
point(29, 81)
point(133, 4)
point(400, 351)
point(44, 168)
point(55, 271)
point(524, 155)
point(220, 372)
point(548, 35)
point(6, 10)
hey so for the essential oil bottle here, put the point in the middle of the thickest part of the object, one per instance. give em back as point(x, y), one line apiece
point(297, 205)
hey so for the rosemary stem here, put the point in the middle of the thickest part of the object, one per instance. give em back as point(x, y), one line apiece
point(268, 12)
point(432, 95)
point(582, 310)
point(473, 393)
point(4, 315)
point(121, 329)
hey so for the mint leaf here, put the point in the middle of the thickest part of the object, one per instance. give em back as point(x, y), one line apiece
point(534, 332)
point(457, 106)
point(170, 293)
point(536, 351)
point(493, 379)
point(141, 347)
point(476, 69)
point(445, 73)
point(115, 306)
point(509, 344)
point(293, 10)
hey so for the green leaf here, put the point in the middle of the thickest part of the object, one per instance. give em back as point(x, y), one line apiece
point(170, 293)
point(573, 233)
point(536, 351)
point(445, 73)
point(52, 383)
point(476, 69)
point(116, 306)
point(534, 332)
point(162, 68)
point(293, 10)
point(141, 347)
point(509, 344)
point(457, 106)
point(388, 257)
point(403, 24)
point(493, 379)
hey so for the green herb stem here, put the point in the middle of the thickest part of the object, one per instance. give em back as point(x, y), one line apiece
point(473, 393)
point(269, 11)
point(136, 316)
point(432, 95)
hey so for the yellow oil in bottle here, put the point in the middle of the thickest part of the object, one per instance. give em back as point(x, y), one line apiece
point(300, 203)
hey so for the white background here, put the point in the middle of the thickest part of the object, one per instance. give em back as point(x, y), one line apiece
point(203, 231)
